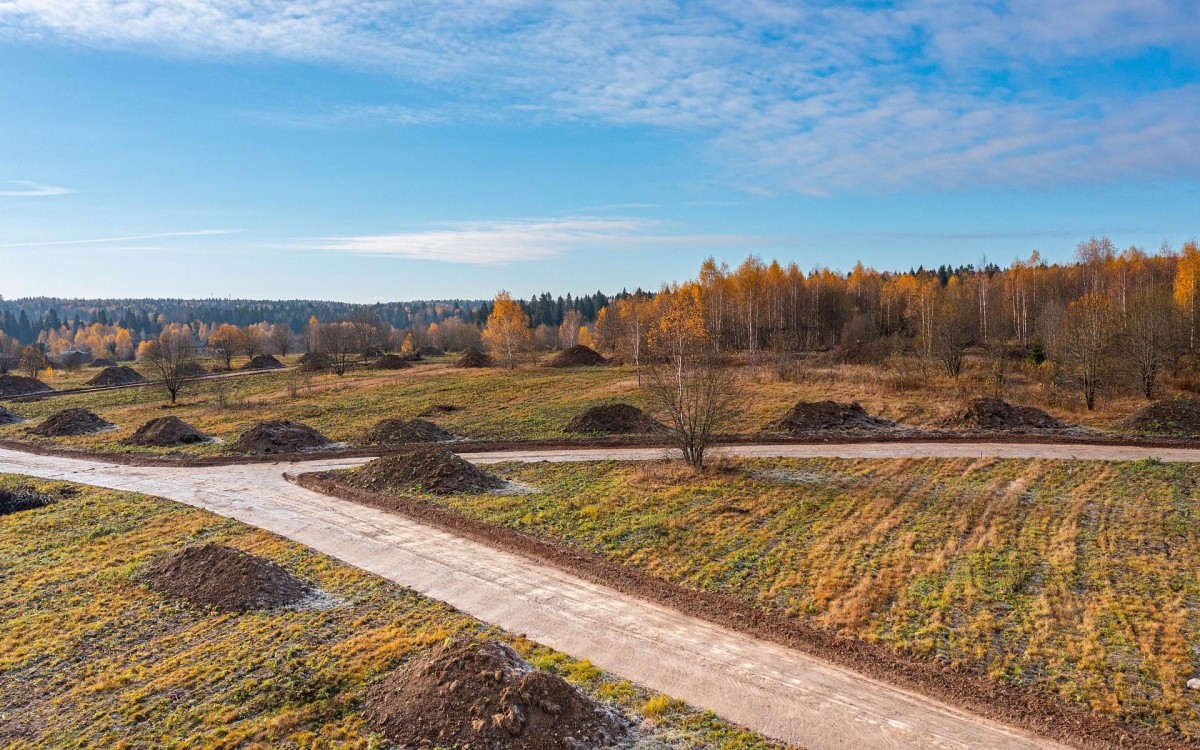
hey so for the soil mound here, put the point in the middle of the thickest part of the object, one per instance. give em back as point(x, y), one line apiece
point(400, 431)
point(474, 358)
point(315, 362)
point(1177, 416)
point(577, 356)
point(71, 422)
point(8, 417)
point(431, 470)
point(224, 578)
point(22, 498)
point(12, 386)
point(808, 416)
point(103, 362)
point(389, 362)
point(280, 436)
point(193, 370)
point(995, 414)
point(115, 375)
point(431, 351)
point(165, 432)
point(614, 419)
point(483, 695)
point(263, 362)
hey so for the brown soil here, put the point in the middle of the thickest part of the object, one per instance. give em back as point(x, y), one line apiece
point(193, 370)
point(166, 432)
point(315, 362)
point(280, 436)
point(995, 414)
point(577, 356)
point(103, 362)
point(71, 422)
point(810, 416)
point(1177, 416)
point(117, 375)
point(22, 498)
point(16, 385)
point(432, 470)
point(8, 417)
point(484, 696)
point(223, 578)
point(614, 419)
point(1045, 715)
point(431, 351)
point(263, 362)
point(389, 362)
point(400, 431)
point(474, 358)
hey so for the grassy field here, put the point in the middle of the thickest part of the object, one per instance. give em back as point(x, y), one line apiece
point(90, 659)
point(531, 403)
point(1074, 579)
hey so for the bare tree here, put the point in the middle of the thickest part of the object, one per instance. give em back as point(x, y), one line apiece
point(32, 361)
point(341, 341)
point(952, 328)
point(251, 340)
point(171, 356)
point(224, 343)
point(1085, 345)
point(281, 339)
point(686, 378)
point(1150, 337)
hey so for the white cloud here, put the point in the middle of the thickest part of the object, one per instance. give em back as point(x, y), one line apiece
point(127, 238)
point(502, 242)
point(27, 189)
point(814, 96)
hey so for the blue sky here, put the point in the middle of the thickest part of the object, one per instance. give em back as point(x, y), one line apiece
point(400, 150)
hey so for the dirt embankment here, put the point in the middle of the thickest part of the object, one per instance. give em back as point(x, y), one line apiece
point(117, 375)
point(12, 386)
point(280, 436)
point(1177, 416)
point(432, 470)
point(396, 431)
point(389, 362)
point(613, 419)
point(9, 417)
point(1044, 715)
point(263, 362)
point(71, 422)
point(577, 356)
point(166, 432)
point(996, 414)
point(816, 416)
point(484, 696)
point(223, 578)
point(474, 358)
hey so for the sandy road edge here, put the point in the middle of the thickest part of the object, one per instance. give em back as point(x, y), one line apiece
point(1041, 715)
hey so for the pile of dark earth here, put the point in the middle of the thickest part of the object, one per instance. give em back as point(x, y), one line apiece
point(117, 375)
point(996, 414)
point(263, 362)
point(388, 431)
point(280, 436)
point(166, 432)
point(431, 351)
point(71, 422)
point(814, 416)
point(223, 578)
point(8, 417)
point(389, 362)
point(613, 419)
point(316, 362)
point(12, 386)
point(484, 696)
point(1176, 416)
point(432, 470)
point(577, 356)
point(103, 362)
point(474, 358)
point(22, 498)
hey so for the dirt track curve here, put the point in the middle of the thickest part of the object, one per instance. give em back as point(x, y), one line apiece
point(772, 689)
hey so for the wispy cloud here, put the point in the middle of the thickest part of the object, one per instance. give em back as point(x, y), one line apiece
point(808, 96)
point(503, 242)
point(27, 189)
point(127, 238)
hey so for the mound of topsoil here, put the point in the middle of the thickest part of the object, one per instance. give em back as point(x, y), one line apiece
point(165, 432)
point(263, 362)
point(389, 362)
point(1176, 416)
point(400, 431)
point(577, 356)
point(996, 414)
point(103, 362)
point(193, 370)
point(431, 470)
point(115, 375)
point(12, 386)
point(223, 578)
point(22, 498)
point(315, 362)
point(280, 436)
point(71, 422)
point(613, 419)
point(484, 696)
point(431, 351)
point(474, 358)
point(809, 416)
point(7, 417)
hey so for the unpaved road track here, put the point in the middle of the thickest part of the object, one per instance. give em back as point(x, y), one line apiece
point(772, 689)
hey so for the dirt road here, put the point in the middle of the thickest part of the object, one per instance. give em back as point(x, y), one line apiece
point(777, 691)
